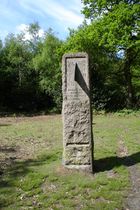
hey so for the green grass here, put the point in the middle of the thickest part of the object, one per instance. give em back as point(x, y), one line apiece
point(32, 176)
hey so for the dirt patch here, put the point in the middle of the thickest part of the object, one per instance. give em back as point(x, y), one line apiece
point(122, 149)
point(20, 147)
point(9, 120)
point(133, 199)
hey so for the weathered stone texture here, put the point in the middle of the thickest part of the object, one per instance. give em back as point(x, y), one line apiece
point(77, 155)
point(77, 122)
point(77, 129)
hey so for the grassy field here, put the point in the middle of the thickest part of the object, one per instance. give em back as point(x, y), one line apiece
point(32, 176)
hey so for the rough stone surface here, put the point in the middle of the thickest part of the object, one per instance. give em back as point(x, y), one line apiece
point(77, 122)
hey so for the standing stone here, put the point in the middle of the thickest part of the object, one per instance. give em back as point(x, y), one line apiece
point(77, 120)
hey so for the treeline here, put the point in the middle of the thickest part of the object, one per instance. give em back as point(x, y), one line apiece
point(30, 70)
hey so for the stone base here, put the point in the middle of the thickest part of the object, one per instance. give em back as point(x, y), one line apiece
point(86, 168)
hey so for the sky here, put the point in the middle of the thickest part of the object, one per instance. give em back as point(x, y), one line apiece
point(59, 15)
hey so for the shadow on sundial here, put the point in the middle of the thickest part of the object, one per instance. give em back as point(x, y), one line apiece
point(78, 77)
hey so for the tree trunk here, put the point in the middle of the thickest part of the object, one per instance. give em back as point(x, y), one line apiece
point(128, 79)
point(20, 74)
point(129, 87)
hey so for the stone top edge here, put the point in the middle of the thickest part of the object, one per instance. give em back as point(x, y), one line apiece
point(75, 55)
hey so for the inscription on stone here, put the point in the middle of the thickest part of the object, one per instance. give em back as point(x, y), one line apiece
point(77, 122)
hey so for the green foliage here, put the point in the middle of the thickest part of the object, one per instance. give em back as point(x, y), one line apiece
point(34, 41)
point(96, 8)
point(107, 88)
point(47, 65)
point(30, 71)
point(16, 68)
point(117, 25)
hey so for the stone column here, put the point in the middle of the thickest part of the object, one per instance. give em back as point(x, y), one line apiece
point(77, 118)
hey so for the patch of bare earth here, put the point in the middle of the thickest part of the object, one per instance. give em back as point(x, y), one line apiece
point(24, 148)
point(133, 200)
point(8, 120)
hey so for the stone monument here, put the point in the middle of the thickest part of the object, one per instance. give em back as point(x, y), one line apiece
point(77, 118)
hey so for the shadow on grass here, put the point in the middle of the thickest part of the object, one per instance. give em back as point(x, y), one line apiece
point(108, 163)
point(6, 149)
point(27, 114)
point(18, 169)
point(4, 125)
point(19, 114)
point(11, 174)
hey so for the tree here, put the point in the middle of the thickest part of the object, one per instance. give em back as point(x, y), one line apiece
point(30, 71)
point(35, 39)
point(48, 65)
point(17, 56)
point(19, 90)
point(105, 83)
point(118, 27)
